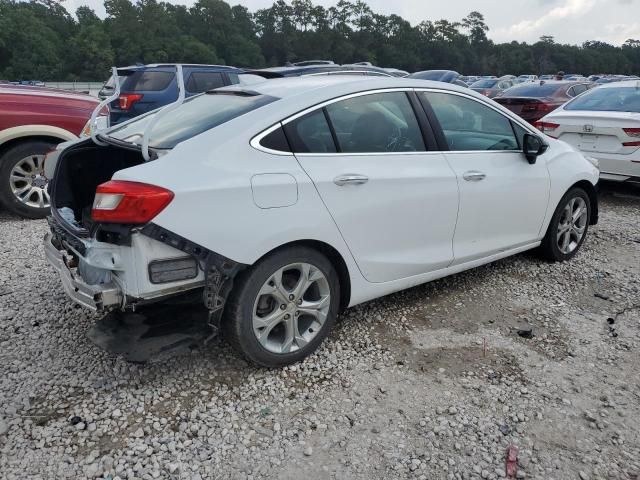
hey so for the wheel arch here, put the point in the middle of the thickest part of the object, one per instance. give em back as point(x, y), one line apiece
point(334, 257)
point(13, 141)
point(592, 193)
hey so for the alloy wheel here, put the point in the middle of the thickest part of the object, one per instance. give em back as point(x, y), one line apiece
point(291, 307)
point(28, 182)
point(572, 225)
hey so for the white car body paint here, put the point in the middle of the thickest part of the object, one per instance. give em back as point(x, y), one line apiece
point(400, 229)
point(600, 134)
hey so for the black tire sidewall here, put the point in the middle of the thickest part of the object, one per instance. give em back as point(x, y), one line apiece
point(551, 244)
point(239, 324)
point(7, 161)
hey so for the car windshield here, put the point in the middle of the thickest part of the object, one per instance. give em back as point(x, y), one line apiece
point(618, 99)
point(531, 90)
point(195, 116)
point(484, 84)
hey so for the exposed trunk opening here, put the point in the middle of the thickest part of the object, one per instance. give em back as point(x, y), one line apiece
point(79, 171)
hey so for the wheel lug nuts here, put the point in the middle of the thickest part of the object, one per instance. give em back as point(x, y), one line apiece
point(300, 302)
point(283, 306)
point(287, 316)
point(292, 297)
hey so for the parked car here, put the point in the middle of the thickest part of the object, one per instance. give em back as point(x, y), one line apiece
point(527, 78)
point(491, 87)
point(447, 76)
point(323, 69)
point(603, 123)
point(144, 88)
point(532, 101)
point(547, 77)
point(33, 120)
point(397, 72)
point(298, 183)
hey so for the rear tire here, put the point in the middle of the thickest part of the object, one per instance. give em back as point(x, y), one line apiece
point(568, 227)
point(283, 307)
point(23, 186)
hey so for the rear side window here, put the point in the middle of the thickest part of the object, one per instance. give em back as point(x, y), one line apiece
point(380, 122)
point(195, 116)
point(147, 81)
point(204, 81)
point(276, 140)
point(469, 125)
point(311, 134)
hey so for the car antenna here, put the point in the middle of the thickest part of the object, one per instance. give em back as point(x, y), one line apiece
point(93, 122)
point(162, 112)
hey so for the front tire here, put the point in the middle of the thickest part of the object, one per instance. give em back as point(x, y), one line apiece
point(282, 308)
point(23, 185)
point(568, 227)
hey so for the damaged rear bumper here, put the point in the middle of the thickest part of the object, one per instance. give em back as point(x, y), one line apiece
point(95, 297)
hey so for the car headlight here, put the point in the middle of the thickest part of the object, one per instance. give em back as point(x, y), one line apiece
point(593, 161)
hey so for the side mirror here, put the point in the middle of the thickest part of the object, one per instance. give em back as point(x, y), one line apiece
point(533, 147)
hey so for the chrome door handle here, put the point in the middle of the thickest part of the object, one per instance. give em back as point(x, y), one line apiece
point(473, 176)
point(350, 179)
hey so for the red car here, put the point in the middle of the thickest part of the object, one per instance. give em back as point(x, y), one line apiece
point(33, 120)
point(533, 100)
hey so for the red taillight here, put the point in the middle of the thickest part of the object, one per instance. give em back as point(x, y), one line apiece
point(632, 132)
point(538, 107)
point(120, 201)
point(486, 92)
point(127, 100)
point(631, 144)
point(546, 127)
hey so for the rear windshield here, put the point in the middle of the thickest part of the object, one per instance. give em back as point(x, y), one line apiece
point(484, 84)
point(532, 90)
point(615, 99)
point(147, 81)
point(196, 115)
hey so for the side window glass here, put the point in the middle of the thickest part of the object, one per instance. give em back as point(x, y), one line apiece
point(469, 125)
point(203, 81)
point(276, 140)
point(571, 92)
point(578, 89)
point(380, 122)
point(520, 132)
point(311, 134)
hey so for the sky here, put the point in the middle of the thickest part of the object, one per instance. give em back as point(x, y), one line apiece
point(569, 21)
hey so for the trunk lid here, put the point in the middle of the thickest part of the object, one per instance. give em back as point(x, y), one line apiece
point(598, 132)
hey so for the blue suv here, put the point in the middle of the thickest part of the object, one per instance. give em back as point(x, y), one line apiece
point(146, 87)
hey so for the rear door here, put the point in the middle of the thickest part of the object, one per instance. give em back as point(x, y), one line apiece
point(394, 202)
point(503, 199)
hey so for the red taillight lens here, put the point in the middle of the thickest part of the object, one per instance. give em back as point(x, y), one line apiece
point(632, 132)
point(546, 127)
point(120, 201)
point(631, 144)
point(127, 100)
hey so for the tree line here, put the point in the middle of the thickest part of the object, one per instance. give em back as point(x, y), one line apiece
point(40, 39)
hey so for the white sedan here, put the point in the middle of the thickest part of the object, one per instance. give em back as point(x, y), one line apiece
point(281, 204)
point(603, 123)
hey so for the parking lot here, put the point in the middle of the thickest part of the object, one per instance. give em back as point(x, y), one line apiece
point(434, 382)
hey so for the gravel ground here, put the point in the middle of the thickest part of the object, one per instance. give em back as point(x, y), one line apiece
point(432, 383)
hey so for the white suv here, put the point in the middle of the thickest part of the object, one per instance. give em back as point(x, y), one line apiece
point(282, 204)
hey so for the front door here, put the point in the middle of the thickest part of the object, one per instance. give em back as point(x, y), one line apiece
point(503, 198)
point(394, 203)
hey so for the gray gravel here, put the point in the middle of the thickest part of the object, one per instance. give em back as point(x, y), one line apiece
point(430, 383)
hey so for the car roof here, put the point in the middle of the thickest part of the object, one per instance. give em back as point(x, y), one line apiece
point(287, 87)
point(173, 65)
point(621, 83)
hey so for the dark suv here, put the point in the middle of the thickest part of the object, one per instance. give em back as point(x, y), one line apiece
point(146, 87)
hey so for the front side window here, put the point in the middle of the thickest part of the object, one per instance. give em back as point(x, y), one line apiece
point(470, 125)
point(380, 122)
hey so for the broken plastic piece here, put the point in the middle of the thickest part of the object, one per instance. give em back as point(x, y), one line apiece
point(511, 467)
